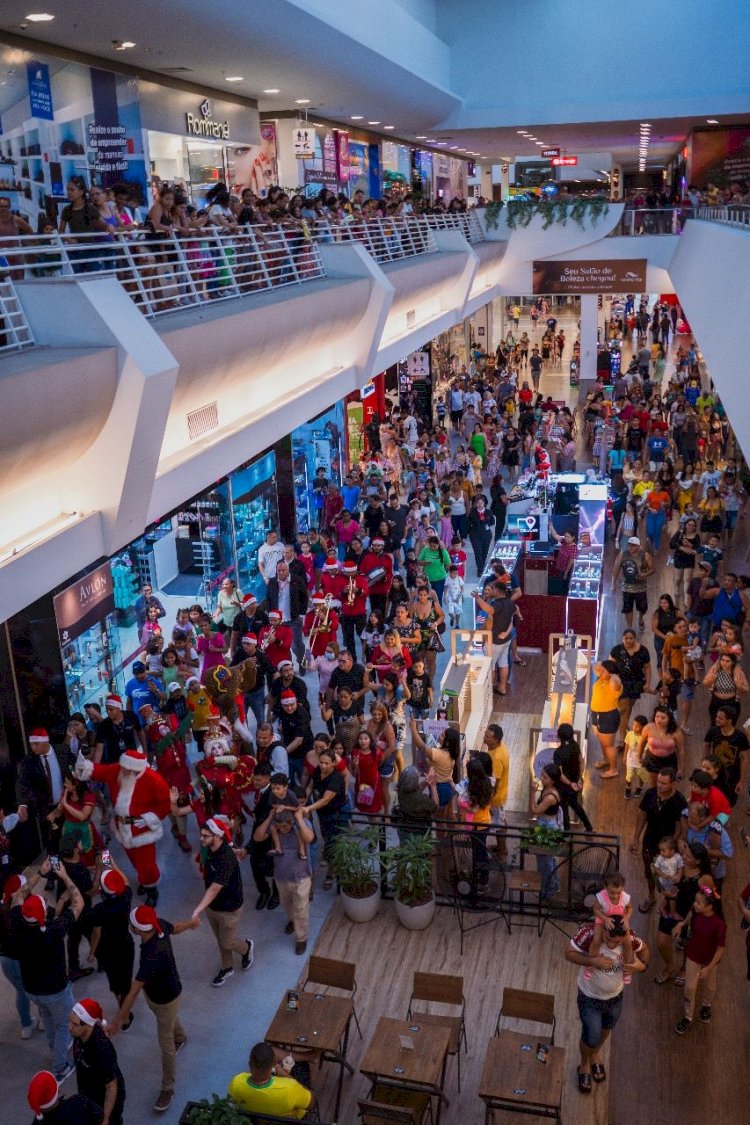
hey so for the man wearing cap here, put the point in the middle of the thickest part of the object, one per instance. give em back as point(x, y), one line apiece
point(13, 892)
point(249, 620)
point(141, 800)
point(120, 731)
point(377, 568)
point(223, 899)
point(288, 594)
point(45, 1100)
point(111, 943)
point(97, 1072)
point(158, 978)
point(636, 565)
point(142, 688)
point(352, 592)
point(275, 639)
point(261, 862)
point(40, 778)
point(296, 733)
point(286, 679)
point(330, 580)
point(248, 657)
point(44, 973)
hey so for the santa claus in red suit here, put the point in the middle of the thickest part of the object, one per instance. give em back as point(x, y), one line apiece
point(275, 639)
point(225, 770)
point(141, 800)
point(330, 581)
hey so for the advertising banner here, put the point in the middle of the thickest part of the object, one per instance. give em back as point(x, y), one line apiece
point(627, 275)
point(40, 90)
point(342, 155)
point(84, 603)
point(720, 156)
point(256, 166)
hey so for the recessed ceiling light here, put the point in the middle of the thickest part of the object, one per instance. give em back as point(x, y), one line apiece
point(522, 132)
point(454, 148)
point(711, 121)
point(234, 78)
point(389, 126)
point(540, 143)
point(357, 117)
point(272, 90)
point(373, 122)
point(301, 101)
point(39, 17)
point(125, 45)
point(422, 137)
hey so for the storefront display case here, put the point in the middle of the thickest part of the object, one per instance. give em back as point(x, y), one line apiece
point(255, 510)
point(569, 663)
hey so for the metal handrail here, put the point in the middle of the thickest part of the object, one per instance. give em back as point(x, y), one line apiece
point(164, 272)
point(386, 240)
point(651, 220)
point(733, 214)
point(15, 332)
point(467, 222)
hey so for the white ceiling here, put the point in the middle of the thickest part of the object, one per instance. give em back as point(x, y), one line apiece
point(278, 45)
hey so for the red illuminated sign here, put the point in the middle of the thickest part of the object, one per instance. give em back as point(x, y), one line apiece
point(565, 161)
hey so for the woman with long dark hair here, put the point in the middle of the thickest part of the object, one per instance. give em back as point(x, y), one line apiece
point(568, 757)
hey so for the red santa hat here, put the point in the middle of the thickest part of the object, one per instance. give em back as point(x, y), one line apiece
point(144, 918)
point(34, 910)
point(378, 542)
point(249, 639)
point(349, 568)
point(284, 664)
point(90, 1012)
point(288, 697)
point(318, 599)
point(219, 827)
point(331, 564)
point(275, 616)
point(43, 1092)
point(134, 760)
point(12, 885)
point(248, 600)
point(38, 734)
point(113, 883)
point(113, 701)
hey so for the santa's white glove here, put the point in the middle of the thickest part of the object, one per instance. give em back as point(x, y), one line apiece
point(242, 730)
point(226, 760)
point(83, 767)
point(151, 820)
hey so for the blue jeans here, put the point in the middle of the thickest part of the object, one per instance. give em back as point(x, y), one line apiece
point(546, 865)
point(12, 972)
point(437, 586)
point(254, 701)
point(54, 1011)
point(597, 1016)
point(654, 526)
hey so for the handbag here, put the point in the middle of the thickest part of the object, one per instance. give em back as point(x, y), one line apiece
point(434, 644)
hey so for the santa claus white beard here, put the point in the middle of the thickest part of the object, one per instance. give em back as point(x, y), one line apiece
point(126, 780)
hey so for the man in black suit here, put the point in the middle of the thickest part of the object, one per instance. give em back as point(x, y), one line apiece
point(288, 593)
point(40, 778)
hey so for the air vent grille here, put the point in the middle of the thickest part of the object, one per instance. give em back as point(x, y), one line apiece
point(203, 420)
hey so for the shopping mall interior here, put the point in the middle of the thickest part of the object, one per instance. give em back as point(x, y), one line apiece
point(419, 329)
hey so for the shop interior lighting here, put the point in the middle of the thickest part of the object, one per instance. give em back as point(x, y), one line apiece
point(522, 132)
point(122, 45)
point(39, 17)
point(234, 78)
point(389, 126)
point(373, 122)
point(272, 90)
point(357, 117)
point(422, 137)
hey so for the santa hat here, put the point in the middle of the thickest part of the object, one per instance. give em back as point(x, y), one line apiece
point(134, 760)
point(43, 1092)
point(248, 600)
point(288, 697)
point(113, 883)
point(331, 564)
point(318, 599)
point(349, 568)
point(192, 680)
point(144, 918)
point(34, 909)
point(90, 1012)
point(38, 734)
point(378, 542)
point(274, 615)
point(12, 885)
point(249, 639)
point(113, 701)
point(284, 664)
point(219, 828)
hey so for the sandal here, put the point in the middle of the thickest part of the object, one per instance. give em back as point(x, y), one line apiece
point(584, 1082)
point(646, 906)
point(598, 1073)
point(521, 663)
point(679, 981)
point(663, 978)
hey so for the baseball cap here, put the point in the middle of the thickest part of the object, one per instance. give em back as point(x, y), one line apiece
point(634, 541)
point(139, 666)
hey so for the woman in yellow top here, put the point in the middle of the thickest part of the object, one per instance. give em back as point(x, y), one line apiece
point(712, 520)
point(605, 715)
point(474, 806)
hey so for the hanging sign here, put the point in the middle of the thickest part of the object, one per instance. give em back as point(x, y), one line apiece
point(84, 603)
point(564, 161)
point(40, 91)
point(304, 141)
point(550, 152)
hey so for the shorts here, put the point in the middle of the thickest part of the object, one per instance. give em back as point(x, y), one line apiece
point(637, 599)
point(666, 925)
point(445, 793)
point(608, 722)
point(501, 654)
point(597, 1016)
point(652, 764)
point(687, 691)
point(730, 519)
point(387, 769)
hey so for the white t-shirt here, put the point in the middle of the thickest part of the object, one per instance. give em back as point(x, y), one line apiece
point(706, 480)
point(411, 429)
point(269, 557)
point(604, 984)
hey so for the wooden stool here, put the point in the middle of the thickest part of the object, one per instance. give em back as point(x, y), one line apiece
point(522, 883)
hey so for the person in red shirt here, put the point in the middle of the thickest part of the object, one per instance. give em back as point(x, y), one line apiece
point(706, 793)
point(352, 593)
point(374, 561)
point(383, 655)
point(275, 639)
point(330, 581)
point(458, 555)
point(704, 950)
point(321, 625)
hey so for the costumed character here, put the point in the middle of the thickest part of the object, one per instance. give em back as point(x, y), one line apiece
point(224, 773)
point(165, 736)
point(140, 797)
point(224, 686)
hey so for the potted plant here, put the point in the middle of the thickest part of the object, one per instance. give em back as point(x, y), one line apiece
point(410, 866)
point(218, 1111)
point(350, 861)
point(540, 839)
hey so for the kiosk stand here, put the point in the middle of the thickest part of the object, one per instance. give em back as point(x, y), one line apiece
point(466, 687)
point(569, 662)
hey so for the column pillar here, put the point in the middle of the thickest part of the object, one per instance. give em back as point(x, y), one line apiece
point(589, 316)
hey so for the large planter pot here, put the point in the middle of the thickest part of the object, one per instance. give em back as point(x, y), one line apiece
point(415, 917)
point(361, 909)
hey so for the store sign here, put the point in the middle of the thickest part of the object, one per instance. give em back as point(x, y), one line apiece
point(330, 155)
point(627, 275)
point(565, 161)
point(203, 124)
point(418, 365)
point(316, 176)
point(107, 143)
point(304, 142)
point(84, 603)
point(550, 152)
point(40, 91)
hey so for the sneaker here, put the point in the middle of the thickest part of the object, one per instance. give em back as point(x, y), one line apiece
point(683, 1025)
point(65, 1073)
point(300, 948)
point(27, 1032)
point(639, 790)
point(273, 902)
point(705, 1013)
point(289, 928)
point(221, 977)
point(247, 958)
point(128, 1023)
point(627, 794)
point(152, 897)
point(262, 902)
point(164, 1101)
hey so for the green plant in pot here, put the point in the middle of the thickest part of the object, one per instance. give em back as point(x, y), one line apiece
point(410, 868)
point(540, 836)
point(218, 1111)
point(351, 863)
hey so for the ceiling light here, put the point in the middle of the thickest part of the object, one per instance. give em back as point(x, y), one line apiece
point(389, 126)
point(442, 143)
point(454, 148)
point(125, 45)
point(373, 122)
point(422, 137)
point(272, 90)
point(39, 17)
point(711, 121)
point(539, 143)
point(522, 132)
point(357, 117)
point(234, 78)
point(301, 101)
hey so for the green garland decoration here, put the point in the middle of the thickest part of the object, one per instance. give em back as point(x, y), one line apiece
point(521, 211)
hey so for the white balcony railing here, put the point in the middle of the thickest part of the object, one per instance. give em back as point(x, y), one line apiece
point(387, 240)
point(466, 222)
point(734, 214)
point(651, 220)
point(14, 329)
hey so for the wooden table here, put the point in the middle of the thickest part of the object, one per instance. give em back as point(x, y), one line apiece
point(320, 1024)
point(422, 1068)
point(514, 1079)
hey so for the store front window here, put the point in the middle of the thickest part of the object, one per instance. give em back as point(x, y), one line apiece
point(316, 445)
point(255, 510)
point(87, 625)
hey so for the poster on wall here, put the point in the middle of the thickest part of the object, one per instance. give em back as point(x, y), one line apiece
point(256, 166)
point(627, 275)
point(720, 156)
point(341, 140)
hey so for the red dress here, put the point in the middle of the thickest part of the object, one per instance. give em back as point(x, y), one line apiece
point(367, 777)
point(382, 660)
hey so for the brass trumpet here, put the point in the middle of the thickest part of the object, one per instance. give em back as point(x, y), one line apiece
point(351, 592)
point(269, 638)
